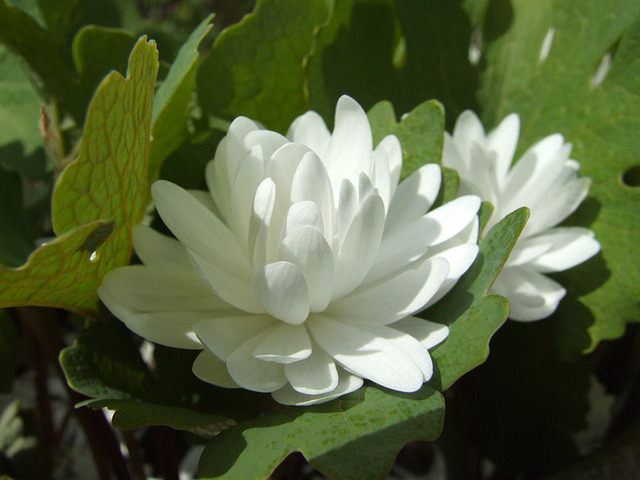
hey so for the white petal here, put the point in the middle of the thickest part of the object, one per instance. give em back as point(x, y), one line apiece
point(379, 173)
point(282, 167)
point(232, 289)
point(468, 130)
point(251, 373)
point(527, 250)
point(157, 288)
point(303, 214)
point(347, 383)
point(390, 146)
point(173, 329)
point(205, 199)
point(222, 335)
point(439, 230)
point(414, 196)
point(282, 290)
point(350, 149)
point(564, 204)
point(429, 334)
point(504, 140)
point(446, 221)
point(209, 368)
point(531, 176)
point(243, 188)
point(267, 140)
point(222, 171)
point(571, 246)
point(310, 130)
point(392, 298)
point(307, 249)
point(263, 204)
point(284, 344)
point(452, 157)
point(315, 375)
point(459, 258)
point(154, 248)
point(360, 246)
point(199, 230)
point(383, 355)
point(532, 295)
point(347, 209)
point(311, 182)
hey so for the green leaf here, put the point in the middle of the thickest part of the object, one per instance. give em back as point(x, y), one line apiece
point(403, 51)
point(96, 51)
point(130, 414)
point(354, 437)
point(602, 122)
point(353, 54)
point(472, 316)
point(103, 192)
point(256, 66)
point(420, 132)
point(65, 17)
point(105, 363)
point(59, 273)
point(25, 37)
point(19, 109)
point(421, 135)
point(172, 101)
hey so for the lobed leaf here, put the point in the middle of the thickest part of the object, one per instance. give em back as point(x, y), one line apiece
point(103, 193)
point(256, 66)
point(420, 132)
point(403, 51)
point(59, 273)
point(557, 93)
point(354, 437)
point(96, 51)
point(104, 363)
point(472, 316)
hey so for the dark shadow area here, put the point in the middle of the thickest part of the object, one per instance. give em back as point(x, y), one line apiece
point(498, 18)
point(358, 62)
point(631, 176)
point(586, 214)
point(437, 63)
point(518, 422)
point(33, 166)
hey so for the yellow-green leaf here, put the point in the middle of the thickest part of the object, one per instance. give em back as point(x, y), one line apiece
point(107, 182)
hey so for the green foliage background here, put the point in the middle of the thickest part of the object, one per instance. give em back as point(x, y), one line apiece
point(122, 110)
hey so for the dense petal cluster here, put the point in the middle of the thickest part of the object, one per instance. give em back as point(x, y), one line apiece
point(546, 181)
point(299, 271)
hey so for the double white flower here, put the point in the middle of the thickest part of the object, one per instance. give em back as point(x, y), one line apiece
point(546, 180)
point(299, 271)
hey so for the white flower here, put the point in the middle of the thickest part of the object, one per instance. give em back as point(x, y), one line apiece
point(546, 181)
point(298, 273)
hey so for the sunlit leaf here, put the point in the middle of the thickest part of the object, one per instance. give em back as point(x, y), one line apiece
point(256, 66)
point(556, 93)
point(354, 437)
point(104, 192)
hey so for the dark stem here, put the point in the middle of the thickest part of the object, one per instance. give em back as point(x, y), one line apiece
point(41, 325)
